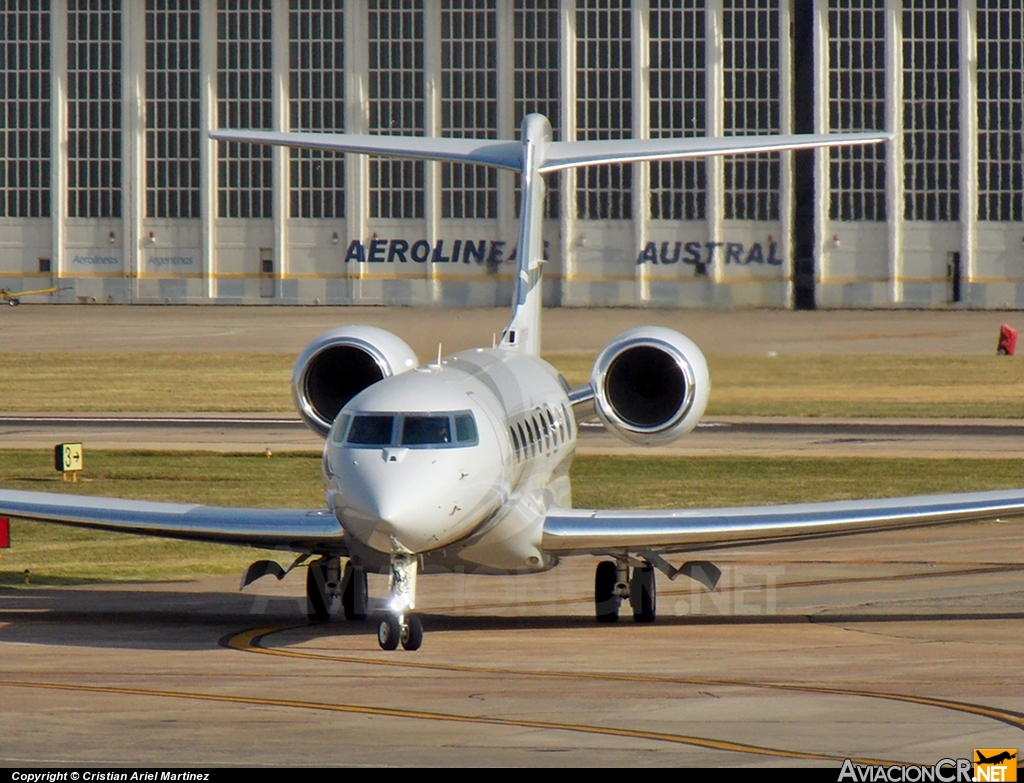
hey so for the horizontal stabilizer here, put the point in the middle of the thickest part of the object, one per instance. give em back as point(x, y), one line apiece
point(570, 154)
point(553, 156)
point(490, 152)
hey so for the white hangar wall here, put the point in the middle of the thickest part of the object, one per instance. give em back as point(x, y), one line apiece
point(110, 189)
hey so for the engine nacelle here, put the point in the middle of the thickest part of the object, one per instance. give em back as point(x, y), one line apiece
point(339, 364)
point(650, 385)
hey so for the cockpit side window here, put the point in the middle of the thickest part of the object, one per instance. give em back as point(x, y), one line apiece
point(339, 427)
point(371, 430)
point(426, 431)
point(465, 428)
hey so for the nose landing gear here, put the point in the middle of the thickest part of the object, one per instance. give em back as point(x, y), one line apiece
point(405, 629)
point(400, 625)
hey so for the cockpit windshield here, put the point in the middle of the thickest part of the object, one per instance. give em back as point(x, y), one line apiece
point(412, 430)
point(369, 430)
point(426, 431)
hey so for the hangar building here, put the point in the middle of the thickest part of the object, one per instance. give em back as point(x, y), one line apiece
point(110, 188)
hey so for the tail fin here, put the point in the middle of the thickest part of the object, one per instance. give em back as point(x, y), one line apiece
point(535, 155)
point(523, 332)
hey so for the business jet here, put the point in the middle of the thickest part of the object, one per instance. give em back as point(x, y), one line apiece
point(462, 463)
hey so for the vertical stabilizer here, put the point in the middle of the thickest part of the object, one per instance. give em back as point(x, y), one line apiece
point(523, 332)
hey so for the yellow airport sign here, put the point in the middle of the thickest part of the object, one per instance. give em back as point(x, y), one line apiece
point(67, 458)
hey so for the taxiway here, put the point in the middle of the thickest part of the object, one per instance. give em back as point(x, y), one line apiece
point(894, 647)
point(901, 647)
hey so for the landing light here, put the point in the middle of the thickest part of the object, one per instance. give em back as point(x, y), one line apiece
point(399, 603)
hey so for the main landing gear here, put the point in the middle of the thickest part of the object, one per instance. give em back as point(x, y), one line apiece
point(612, 583)
point(328, 588)
point(354, 592)
point(400, 625)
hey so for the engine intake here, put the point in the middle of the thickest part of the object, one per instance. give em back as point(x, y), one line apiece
point(339, 364)
point(650, 385)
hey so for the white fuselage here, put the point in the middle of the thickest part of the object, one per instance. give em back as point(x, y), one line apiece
point(456, 462)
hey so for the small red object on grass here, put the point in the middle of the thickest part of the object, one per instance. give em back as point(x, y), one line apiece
point(5, 532)
point(1007, 340)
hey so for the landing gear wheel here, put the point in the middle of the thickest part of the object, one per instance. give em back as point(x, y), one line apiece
point(643, 594)
point(606, 601)
point(412, 634)
point(389, 632)
point(318, 600)
point(354, 595)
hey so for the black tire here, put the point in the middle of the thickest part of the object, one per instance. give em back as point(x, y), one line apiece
point(318, 602)
point(412, 639)
point(389, 632)
point(14, 302)
point(643, 594)
point(354, 597)
point(1002, 351)
point(606, 602)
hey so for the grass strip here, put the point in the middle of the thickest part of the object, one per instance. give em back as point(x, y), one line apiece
point(859, 385)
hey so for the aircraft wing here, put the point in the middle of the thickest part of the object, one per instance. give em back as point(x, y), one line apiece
point(299, 530)
point(569, 531)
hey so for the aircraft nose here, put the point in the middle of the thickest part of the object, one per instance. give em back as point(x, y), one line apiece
point(412, 500)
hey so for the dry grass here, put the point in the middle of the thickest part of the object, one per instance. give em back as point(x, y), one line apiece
point(146, 382)
point(853, 385)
